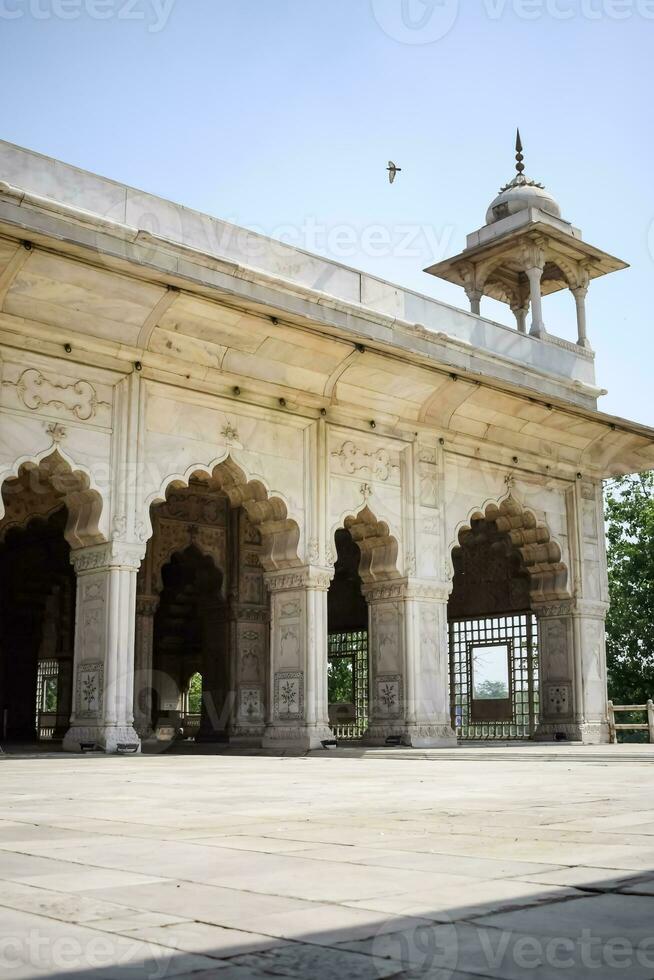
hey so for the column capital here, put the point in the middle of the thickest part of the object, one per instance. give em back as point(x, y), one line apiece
point(591, 608)
point(146, 605)
point(572, 606)
point(474, 295)
point(241, 612)
point(427, 590)
point(533, 256)
point(110, 554)
point(424, 590)
point(553, 608)
point(381, 591)
point(314, 577)
point(579, 291)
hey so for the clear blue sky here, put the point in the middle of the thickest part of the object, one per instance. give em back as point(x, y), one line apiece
point(282, 115)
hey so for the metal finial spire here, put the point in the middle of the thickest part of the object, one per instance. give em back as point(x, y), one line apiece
point(520, 179)
point(518, 155)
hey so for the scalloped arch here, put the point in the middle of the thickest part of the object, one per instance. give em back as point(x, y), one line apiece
point(378, 547)
point(266, 510)
point(540, 553)
point(72, 485)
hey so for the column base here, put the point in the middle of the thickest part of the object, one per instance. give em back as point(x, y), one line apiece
point(247, 735)
point(589, 733)
point(108, 738)
point(300, 738)
point(145, 732)
point(413, 736)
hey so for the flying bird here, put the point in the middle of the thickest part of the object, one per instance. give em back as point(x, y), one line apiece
point(393, 171)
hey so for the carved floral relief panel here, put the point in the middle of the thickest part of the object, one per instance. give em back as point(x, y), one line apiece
point(388, 696)
point(364, 460)
point(53, 391)
point(288, 702)
point(555, 649)
point(250, 708)
point(386, 637)
point(89, 690)
point(250, 653)
point(91, 617)
point(429, 485)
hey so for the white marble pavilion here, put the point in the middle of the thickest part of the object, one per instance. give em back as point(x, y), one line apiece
point(347, 508)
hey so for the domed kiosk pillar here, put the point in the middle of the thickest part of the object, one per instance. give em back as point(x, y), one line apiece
point(579, 293)
point(525, 251)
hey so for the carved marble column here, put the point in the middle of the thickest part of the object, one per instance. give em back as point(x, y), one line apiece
point(590, 668)
point(579, 293)
point(299, 715)
point(474, 295)
point(572, 659)
point(534, 274)
point(409, 663)
point(250, 627)
point(146, 606)
point(520, 311)
point(104, 646)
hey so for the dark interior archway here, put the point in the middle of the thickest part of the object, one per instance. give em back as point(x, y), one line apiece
point(37, 624)
point(190, 638)
point(347, 618)
point(493, 635)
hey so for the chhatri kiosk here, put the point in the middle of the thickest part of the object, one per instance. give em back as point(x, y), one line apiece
point(250, 495)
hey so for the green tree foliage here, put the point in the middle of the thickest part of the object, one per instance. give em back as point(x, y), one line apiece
point(195, 694)
point(50, 694)
point(340, 680)
point(630, 621)
point(491, 691)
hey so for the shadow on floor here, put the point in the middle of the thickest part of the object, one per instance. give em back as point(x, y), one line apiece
point(599, 929)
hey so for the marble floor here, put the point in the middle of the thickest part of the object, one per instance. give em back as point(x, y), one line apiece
point(338, 865)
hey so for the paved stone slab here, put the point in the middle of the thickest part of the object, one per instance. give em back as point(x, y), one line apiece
point(447, 904)
point(198, 937)
point(252, 867)
point(65, 906)
point(304, 961)
point(36, 946)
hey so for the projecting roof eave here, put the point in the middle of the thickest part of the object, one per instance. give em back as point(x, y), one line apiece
point(623, 447)
point(597, 262)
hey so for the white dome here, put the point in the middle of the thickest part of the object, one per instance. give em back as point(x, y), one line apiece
point(521, 194)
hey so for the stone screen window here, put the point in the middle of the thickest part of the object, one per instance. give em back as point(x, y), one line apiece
point(488, 656)
point(347, 683)
point(47, 685)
